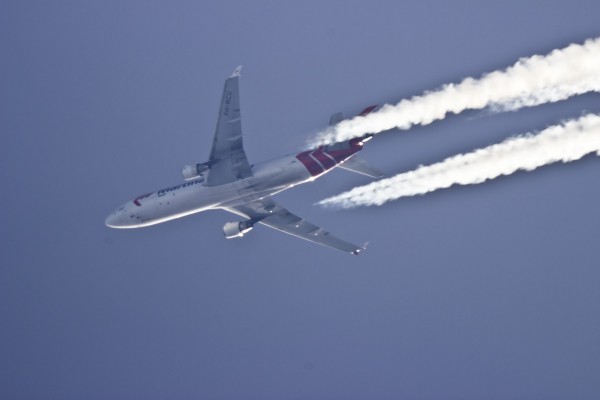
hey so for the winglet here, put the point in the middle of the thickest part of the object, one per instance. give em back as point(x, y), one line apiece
point(237, 72)
point(357, 251)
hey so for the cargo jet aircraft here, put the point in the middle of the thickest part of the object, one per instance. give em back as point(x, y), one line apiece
point(229, 182)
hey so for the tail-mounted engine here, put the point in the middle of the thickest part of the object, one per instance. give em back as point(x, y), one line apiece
point(237, 229)
point(190, 172)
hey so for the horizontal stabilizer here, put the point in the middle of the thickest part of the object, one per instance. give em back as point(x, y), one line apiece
point(360, 166)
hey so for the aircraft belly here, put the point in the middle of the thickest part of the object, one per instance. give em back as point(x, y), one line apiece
point(259, 187)
point(179, 201)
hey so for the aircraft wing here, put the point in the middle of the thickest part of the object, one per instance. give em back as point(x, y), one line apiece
point(271, 214)
point(228, 160)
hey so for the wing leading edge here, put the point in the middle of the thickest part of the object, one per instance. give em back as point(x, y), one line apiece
point(271, 214)
point(228, 161)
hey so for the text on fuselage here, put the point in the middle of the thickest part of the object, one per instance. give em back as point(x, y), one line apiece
point(162, 192)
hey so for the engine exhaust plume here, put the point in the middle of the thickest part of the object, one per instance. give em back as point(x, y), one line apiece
point(559, 75)
point(568, 141)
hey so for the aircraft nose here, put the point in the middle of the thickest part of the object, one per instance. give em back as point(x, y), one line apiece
point(117, 219)
point(112, 221)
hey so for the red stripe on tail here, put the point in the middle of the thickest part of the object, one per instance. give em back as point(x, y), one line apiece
point(311, 165)
point(326, 161)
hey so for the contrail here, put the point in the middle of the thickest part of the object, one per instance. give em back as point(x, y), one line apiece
point(568, 141)
point(559, 75)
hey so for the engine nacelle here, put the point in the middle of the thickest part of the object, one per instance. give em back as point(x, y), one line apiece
point(237, 229)
point(190, 172)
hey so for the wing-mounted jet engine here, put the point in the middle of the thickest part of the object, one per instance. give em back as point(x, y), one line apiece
point(190, 172)
point(237, 229)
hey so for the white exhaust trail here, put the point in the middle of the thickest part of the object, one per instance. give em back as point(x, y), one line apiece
point(557, 76)
point(566, 142)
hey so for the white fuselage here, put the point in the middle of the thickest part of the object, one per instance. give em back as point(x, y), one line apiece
point(194, 196)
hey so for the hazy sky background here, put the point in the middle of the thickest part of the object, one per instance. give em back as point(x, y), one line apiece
point(488, 291)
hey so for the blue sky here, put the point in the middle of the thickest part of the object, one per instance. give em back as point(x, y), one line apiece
point(487, 291)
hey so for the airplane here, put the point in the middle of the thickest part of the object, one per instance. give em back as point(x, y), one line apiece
point(227, 181)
